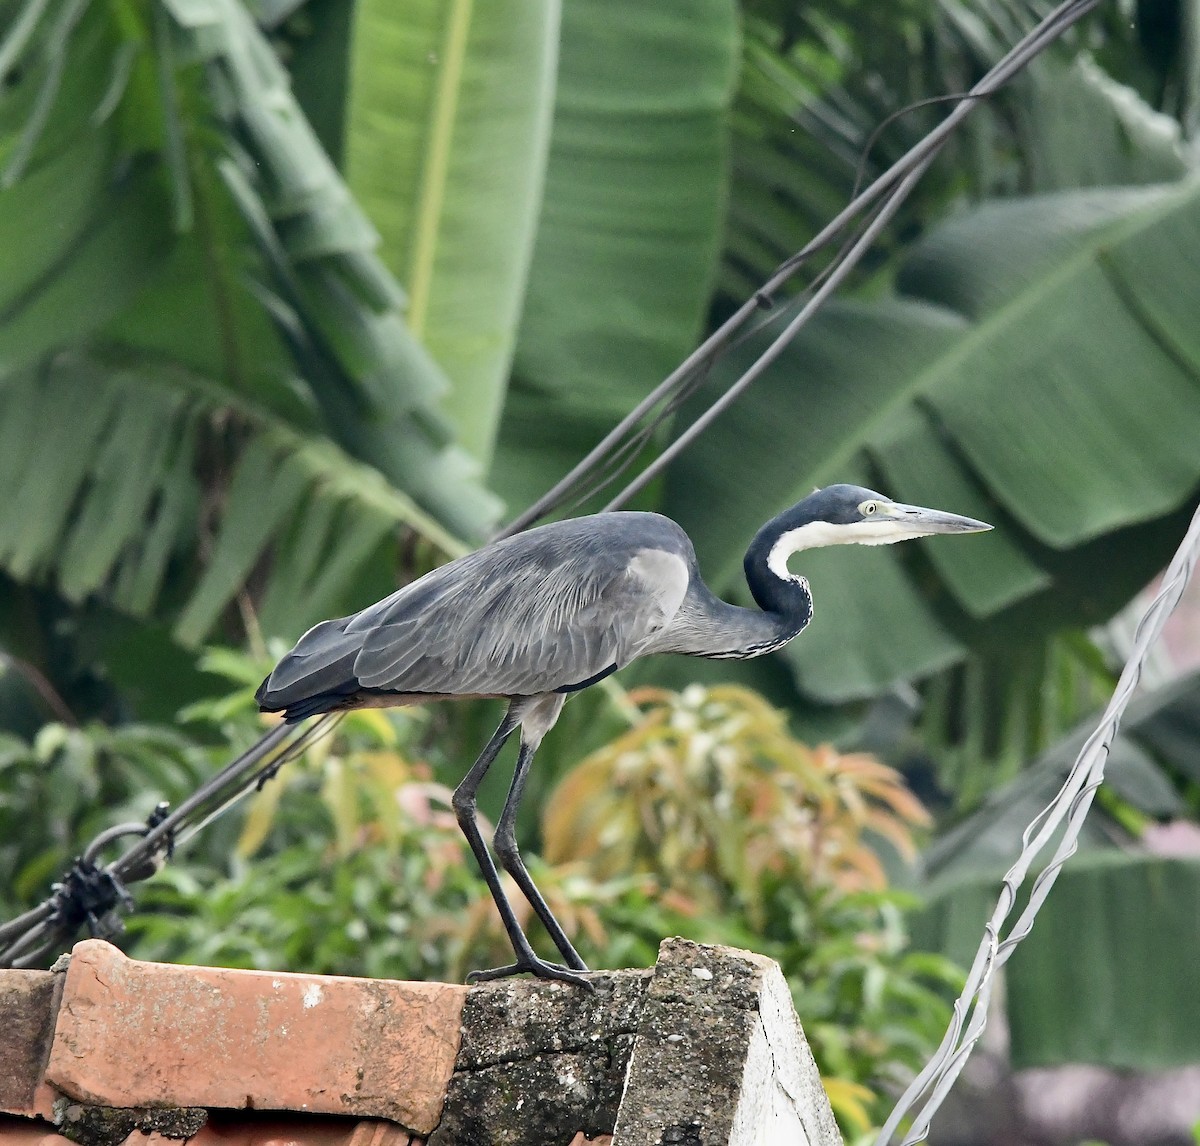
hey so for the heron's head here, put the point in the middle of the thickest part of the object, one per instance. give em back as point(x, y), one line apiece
point(852, 515)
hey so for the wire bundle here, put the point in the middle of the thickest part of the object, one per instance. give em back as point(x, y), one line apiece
point(90, 893)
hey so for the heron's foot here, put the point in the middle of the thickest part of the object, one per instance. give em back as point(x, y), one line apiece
point(533, 966)
point(572, 958)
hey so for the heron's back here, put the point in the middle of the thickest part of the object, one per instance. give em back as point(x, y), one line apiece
point(546, 610)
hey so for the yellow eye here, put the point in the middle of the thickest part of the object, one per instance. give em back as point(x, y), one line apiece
point(867, 508)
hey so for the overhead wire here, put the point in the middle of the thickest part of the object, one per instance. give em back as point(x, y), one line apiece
point(1065, 812)
point(892, 186)
point(89, 891)
point(625, 454)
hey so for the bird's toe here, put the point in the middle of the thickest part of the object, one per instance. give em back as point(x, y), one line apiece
point(537, 967)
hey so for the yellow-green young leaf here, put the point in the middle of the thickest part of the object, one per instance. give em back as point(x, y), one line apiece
point(448, 123)
point(850, 1101)
point(709, 793)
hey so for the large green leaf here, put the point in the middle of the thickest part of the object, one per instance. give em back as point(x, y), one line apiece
point(197, 337)
point(630, 227)
point(338, 306)
point(230, 244)
point(1159, 738)
point(1080, 128)
point(1120, 923)
point(808, 106)
point(83, 230)
point(448, 123)
point(117, 253)
point(196, 334)
point(997, 383)
point(1105, 975)
point(104, 506)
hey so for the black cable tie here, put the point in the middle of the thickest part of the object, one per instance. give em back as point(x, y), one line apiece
point(269, 773)
point(161, 810)
point(89, 894)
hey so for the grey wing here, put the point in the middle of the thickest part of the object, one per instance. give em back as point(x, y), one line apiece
point(509, 625)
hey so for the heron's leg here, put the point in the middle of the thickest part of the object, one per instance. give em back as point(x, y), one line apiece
point(505, 843)
point(464, 804)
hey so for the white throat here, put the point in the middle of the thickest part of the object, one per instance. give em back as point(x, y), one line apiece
point(814, 535)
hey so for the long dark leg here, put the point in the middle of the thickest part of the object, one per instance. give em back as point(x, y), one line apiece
point(505, 843)
point(465, 809)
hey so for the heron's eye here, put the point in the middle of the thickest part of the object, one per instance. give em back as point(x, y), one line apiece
point(867, 508)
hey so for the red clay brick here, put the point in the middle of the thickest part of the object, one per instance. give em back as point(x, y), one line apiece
point(149, 1034)
point(27, 1006)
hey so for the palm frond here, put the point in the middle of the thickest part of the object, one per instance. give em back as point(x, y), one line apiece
point(205, 372)
point(113, 505)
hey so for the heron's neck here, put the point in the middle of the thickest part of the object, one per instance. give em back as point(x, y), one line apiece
point(776, 590)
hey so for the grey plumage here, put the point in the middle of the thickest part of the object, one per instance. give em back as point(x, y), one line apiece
point(552, 610)
point(548, 610)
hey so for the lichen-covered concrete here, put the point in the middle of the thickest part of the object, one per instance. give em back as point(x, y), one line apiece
point(720, 1059)
point(541, 1062)
point(109, 1051)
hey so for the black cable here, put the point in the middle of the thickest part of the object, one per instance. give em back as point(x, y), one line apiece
point(1044, 34)
point(628, 452)
point(892, 186)
point(94, 894)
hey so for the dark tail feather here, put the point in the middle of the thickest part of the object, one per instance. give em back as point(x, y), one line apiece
point(306, 684)
point(315, 705)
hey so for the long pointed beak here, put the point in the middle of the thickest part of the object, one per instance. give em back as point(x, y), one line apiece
point(930, 521)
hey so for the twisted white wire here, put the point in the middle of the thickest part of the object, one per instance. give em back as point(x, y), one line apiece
point(1071, 806)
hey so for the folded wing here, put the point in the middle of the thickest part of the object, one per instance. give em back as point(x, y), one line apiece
point(532, 615)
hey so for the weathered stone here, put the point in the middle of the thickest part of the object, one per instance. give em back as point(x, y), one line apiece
point(110, 1126)
point(703, 1051)
point(541, 1062)
point(28, 1003)
point(720, 1059)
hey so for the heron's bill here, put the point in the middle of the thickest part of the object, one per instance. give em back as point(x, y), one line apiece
point(934, 521)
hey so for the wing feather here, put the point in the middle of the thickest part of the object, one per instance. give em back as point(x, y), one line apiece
point(542, 611)
point(507, 629)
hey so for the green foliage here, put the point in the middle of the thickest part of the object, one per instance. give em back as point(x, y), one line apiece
point(969, 388)
point(448, 124)
point(1122, 914)
point(351, 862)
point(359, 870)
point(112, 520)
point(984, 721)
point(709, 783)
point(747, 836)
point(821, 82)
point(1098, 979)
point(217, 412)
point(817, 82)
point(68, 784)
point(914, 386)
point(197, 340)
point(630, 228)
